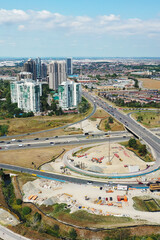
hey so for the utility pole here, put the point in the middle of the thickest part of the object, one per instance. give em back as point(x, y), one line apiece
point(109, 155)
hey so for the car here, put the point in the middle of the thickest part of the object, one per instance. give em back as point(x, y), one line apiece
point(140, 183)
point(46, 138)
point(52, 143)
point(0, 148)
point(1, 141)
point(13, 140)
point(8, 142)
point(19, 140)
point(89, 182)
point(20, 145)
point(36, 138)
point(56, 136)
point(28, 144)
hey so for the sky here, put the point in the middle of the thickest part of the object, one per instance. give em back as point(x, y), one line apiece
point(80, 28)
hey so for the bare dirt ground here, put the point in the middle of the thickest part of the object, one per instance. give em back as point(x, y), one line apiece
point(150, 83)
point(25, 157)
point(109, 158)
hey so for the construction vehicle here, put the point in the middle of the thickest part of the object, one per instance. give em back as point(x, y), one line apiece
point(154, 187)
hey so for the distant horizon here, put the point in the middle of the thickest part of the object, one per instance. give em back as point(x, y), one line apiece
point(76, 58)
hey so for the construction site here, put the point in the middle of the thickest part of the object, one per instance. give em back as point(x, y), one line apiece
point(107, 158)
point(107, 200)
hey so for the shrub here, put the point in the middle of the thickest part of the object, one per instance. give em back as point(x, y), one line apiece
point(18, 201)
point(73, 234)
point(26, 210)
point(56, 227)
point(37, 217)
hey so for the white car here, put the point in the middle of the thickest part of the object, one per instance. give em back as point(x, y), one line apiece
point(20, 145)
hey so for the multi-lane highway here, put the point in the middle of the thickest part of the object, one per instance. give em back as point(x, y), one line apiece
point(146, 135)
point(63, 140)
point(151, 139)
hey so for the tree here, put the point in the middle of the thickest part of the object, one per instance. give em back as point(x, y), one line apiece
point(3, 129)
point(107, 126)
point(142, 150)
point(18, 201)
point(110, 120)
point(132, 143)
point(37, 217)
point(56, 227)
point(26, 210)
point(73, 234)
point(139, 118)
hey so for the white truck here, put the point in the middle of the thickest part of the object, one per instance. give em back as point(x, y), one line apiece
point(122, 187)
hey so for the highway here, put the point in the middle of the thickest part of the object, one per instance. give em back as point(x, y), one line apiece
point(7, 234)
point(65, 178)
point(146, 135)
point(152, 140)
point(63, 140)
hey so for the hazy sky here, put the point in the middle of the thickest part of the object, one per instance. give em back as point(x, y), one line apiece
point(61, 28)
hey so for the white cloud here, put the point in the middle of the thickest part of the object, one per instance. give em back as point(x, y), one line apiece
point(21, 27)
point(110, 18)
point(12, 16)
point(100, 25)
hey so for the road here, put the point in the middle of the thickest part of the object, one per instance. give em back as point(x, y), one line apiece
point(6, 234)
point(143, 133)
point(65, 178)
point(63, 140)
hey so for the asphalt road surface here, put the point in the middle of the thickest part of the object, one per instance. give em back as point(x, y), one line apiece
point(143, 133)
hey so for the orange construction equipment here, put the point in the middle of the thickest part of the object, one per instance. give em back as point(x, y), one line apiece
point(34, 197)
point(109, 191)
point(122, 198)
point(125, 199)
point(30, 197)
point(110, 204)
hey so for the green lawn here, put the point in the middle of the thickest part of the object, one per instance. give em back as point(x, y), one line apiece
point(146, 204)
point(148, 119)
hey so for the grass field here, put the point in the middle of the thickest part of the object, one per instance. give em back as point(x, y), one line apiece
point(38, 123)
point(149, 119)
point(25, 157)
point(103, 115)
point(150, 83)
point(146, 204)
point(83, 218)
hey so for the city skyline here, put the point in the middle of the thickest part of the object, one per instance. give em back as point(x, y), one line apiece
point(78, 29)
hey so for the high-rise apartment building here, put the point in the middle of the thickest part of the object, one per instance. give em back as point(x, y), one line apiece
point(69, 66)
point(69, 95)
point(44, 71)
point(26, 94)
point(38, 68)
point(30, 66)
point(57, 74)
